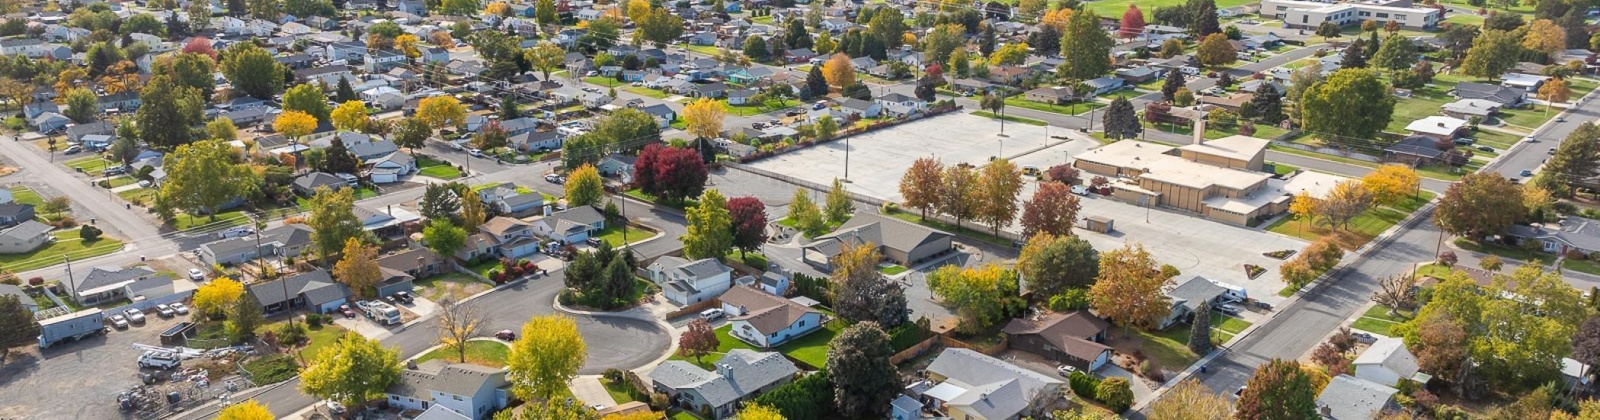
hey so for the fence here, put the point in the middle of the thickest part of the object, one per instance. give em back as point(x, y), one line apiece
point(59, 310)
point(695, 308)
point(915, 350)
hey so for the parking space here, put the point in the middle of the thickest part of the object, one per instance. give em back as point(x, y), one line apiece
point(76, 380)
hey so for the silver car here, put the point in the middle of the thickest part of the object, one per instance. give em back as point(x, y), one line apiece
point(134, 315)
point(165, 311)
point(180, 308)
point(119, 321)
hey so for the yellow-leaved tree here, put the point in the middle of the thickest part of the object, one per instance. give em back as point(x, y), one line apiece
point(1304, 208)
point(638, 9)
point(294, 124)
point(351, 370)
point(1130, 288)
point(704, 117)
point(1391, 183)
point(442, 111)
point(357, 267)
point(407, 44)
point(1555, 90)
point(546, 356)
point(759, 412)
point(248, 410)
point(350, 116)
point(838, 71)
point(216, 297)
point(584, 186)
point(498, 8)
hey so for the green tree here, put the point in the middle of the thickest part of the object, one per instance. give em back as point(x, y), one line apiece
point(976, 293)
point(999, 184)
point(858, 363)
point(351, 370)
point(344, 93)
point(839, 207)
point(660, 27)
point(444, 238)
point(942, 41)
point(16, 322)
point(221, 129)
point(1203, 17)
point(1175, 81)
point(584, 187)
point(805, 214)
point(1492, 53)
point(545, 357)
point(826, 127)
point(411, 133)
point(710, 230)
point(439, 202)
point(202, 176)
point(1351, 104)
point(545, 57)
point(307, 98)
point(193, 70)
point(1120, 120)
point(252, 70)
point(544, 11)
point(170, 106)
point(1200, 330)
point(756, 48)
point(1576, 158)
point(808, 397)
point(1115, 392)
point(124, 149)
point(1053, 264)
point(1216, 51)
point(1085, 48)
point(332, 220)
point(1278, 390)
point(82, 105)
point(1397, 53)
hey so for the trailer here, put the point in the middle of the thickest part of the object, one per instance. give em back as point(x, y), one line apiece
point(71, 327)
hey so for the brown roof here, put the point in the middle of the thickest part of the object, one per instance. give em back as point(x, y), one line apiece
point(767, 313)
point(1231, 101)
point(499, 225)
point(1066, 331)
point(409, 260)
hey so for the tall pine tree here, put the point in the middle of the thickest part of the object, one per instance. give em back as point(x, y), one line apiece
point(344, 93)
point(1120, 120)
point(1174, 82)
point(815, 83)
point(1200, 330)
point(1203, 18)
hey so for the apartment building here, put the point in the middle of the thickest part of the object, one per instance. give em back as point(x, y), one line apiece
point(1310, 14)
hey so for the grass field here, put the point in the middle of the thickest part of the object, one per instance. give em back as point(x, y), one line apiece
point(743, 110)
point(234, 217)
point(1530, 257)
point(1169, 348)
point(1423, 103)
point(317, 338)
point(1265, 131)
point(141, 196)
point(613, 235)
point(91, 164)
point(705, 50)
point(1012, 118)
point(1363, 228)
point(1114, 8)
point(1226, 326)
point(647, 92)
point(891, 269)
point(1069, 109)
point(23, 195)
point(756, 260)
point(1465, 19)
point(1378, 321)
point(437, 168)
point(479, 352)
point(67, 244)
point(1283, 169)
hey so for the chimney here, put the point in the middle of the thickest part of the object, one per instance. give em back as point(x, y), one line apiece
point(1199, 131)
point(724, 370)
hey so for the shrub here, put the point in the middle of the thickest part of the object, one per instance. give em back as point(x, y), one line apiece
point(1447, 258)
point(1083, 384)
point(292, 333)
point(89, 233)
point(658, 401)
point(35, 281)
point(1116, 393)
point(64, 222)
point(1069, 300)
point(1576, 255)
point(314, 320)
point(271, 369)
point(614, 375)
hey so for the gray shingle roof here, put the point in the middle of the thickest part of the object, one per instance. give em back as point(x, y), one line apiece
point(1004, 387)
point(747, 371)
point(26, 230)
point(105, 276)
point(1349, 398)
point(583, 215)
point(462, 379)
point(318, 287)
point(878, 229)
point(1195, 290)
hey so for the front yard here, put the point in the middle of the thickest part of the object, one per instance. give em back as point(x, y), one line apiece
point(92, 164)
point(235, 217)
point(435, 168)
point(440, 286)
point(1363, 228)
point(1526, 256)
point(811, 349)
point(613, 235)
point(1378, 321)
point(479, 352)
point(66, 244)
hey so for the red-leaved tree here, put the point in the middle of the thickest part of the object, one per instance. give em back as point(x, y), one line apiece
point(698, 340)
point(749, 224)
point(644, 168)
point(1132, 22)
point(669, 173)
point(1053, 210)
point(200, 45)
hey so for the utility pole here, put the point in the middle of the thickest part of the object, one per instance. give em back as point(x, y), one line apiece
point(847, 159)
point(70, 285)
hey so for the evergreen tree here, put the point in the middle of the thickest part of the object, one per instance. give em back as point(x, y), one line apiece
point(1174, 82)
point(1203, 18)
point(1354, 57)
point(509, 110)
point(816, 83)
point(1267, 105)
point(1120, 120)
point(1200, 330)
point(344, 93)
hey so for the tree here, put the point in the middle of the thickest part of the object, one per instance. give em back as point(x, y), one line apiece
point(1200, 330)
point(755, 47)
point(1203, 18)
point(1130, 287)
point(921, 185)
point(82, 105)
point(1279, 389)
point(490, 136)
point(754, 411)
point(838, 71)
point(998, 185)
point(1481, 204)
point(125, 149)
point(1012, 54)
point(1355, 55)
point(338, 159)
point(248, 410)
point(545, 57)
point(1053, 210)
point(671, 174)
point(350, 116)
point(1216, 51)
point(584, 187)
point(1132, 24)
point(826, 127)
point(1492, 53)
point(1389, 184)
point(202, 177)
point(957, 196)
point(170, 105)
point(1575, 159)
point(816, 83)
point(837, 205)
point(545, 357)
point(1120, 121)
point(1344, 202)
point(294, 124)
point(806, 215)
point(220, 129)
point(704, 117)
point(1053, 264)
point(344, 93)
point(351, 370)
point(458, 322)
point(660, 27)
point(710, 228)
point(858, 363)
point(411, 133)
point(1085, 48)
point(442, 111)
point(444, 238)
point(1189, 400)
point(1396, 293)
point(1115, 392)
point(332, 220)
point(1175, 81)
point(1545, 37)
point(807, 397)
point(1398, 52)
point(697, 340)
point(749, 224)
point(358, 268)
point(976, 293)
point(859, 292)
point(1351, 104)
point(214, 298)
point(1585, 344)
point(252, 70)
point(1554, 91)
point(1267, 105)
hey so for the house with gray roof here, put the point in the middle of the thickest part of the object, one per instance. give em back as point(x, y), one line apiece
point(1188, 295)
point(279, 242)
point(971, 385)
point(685, 282)
point(741, 376)
point(27, 301)
point(907, 244)
point(314, 291)
point(573, 225)
point(1571, 233)
point(1350, 398)
point(102, 284)
point(533, 141)
point(1509, 97)
point(1073, 338)
point(308, 184)
point(766, 320)
point(13, 213)
point(24, 237)
point(469, 390)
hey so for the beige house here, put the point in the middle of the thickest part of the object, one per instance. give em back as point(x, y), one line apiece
point(1297, 14)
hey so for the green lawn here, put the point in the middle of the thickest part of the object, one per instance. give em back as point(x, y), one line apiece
point(619, 391)
point(1116, 7)
point(24, 195)
point(683, 415)
point(1323, 156)
point(224, 219)
point(705, 50)
point(1068, 109)
point(891, 269)
point(1378, 320)
point(1012, 118)
point(479, 352)
point(603, 81)
point(1498, 140)
point(613, 235)
point(1423, 103)
point(520, 189)
point(1169, 348)
point(812, 349)
point(686, 203)
point(482, 269)
point(1465, 19)
point(644, 91)
point(66, 244)
point(119, 181)
point(92, 164)
point(1283, 169)
point(318, 338)
point(1531, 257)
point(141, 196)
point(755, 260)
point(437, 168)
point(1433, 270)
point(743, 110)
point(1363, 228)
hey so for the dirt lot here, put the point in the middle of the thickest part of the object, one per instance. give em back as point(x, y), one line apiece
point(75, 380)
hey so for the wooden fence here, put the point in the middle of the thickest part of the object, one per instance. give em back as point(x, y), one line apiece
point(947, 341)
point(695, 308)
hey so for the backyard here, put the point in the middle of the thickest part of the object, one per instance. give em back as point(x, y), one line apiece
point(812, 349)
point(66, 244)
point(1361, 229)
point(1116, 7)
point(479, 352)
point(23, 195)
point(1068, 109)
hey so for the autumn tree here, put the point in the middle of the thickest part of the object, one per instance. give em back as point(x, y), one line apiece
point(1555, 90)
point(351, 370)
point(921, 186)
point(1278, 390)
point(1053, 264)
point(1130, 288)
point(456, 323)
point(710, 228)
point(837, 205)
point(976, 293)
point(545, 57)
point(858, 363)
point(1390, 184)
point(1132, 24)
point(1053, 210)
point(584, 187)
point(1482, 203)
point(958, 197)
point(670, 174)
point(749, 224)
point(350, 116)
point(332, 220)
point(1492, 53)
point(1189, 400)
point(1216, 51)
point(697, 340)
point(839, 71)
point(998, 185)
point(1344, 202)
point(442, 111)
point(1545, 37)
point(1398, 292)
point(704, 117)
point(1586, 343)
point(545, 357)
point(294, 124)
point(358, 267)
point(859, 291)
point(215, 297)
point(248, 410)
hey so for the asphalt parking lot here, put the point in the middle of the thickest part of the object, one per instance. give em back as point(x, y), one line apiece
point(76, 380)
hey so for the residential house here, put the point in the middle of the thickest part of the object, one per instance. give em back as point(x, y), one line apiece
point(741, 96)
point(1141, 74)
point(616, 165)
point(34, 109)
point(415, 7)
point(897, 99)
point(1414, 151)
point(1073, 338)
point(1349, 398)
point(571, 226)
point(1467, 108)
point(126, 101)
point(1008, 75)
point(27, 301)
point(77, 132)
point(307, 185)
point(1506, 96)
point(837, 25)
point(371, 149)
point(974, 386)
point(712, 90)
point(1233, 102)
point(389, 169)
point(401, 270)
point(1438, 127)
point(1050, 95)
point(390, 223)
point(1386, 362)
point(1254, 86)
point(536, 141)
point(1527, 82)
point(862, 64)
point(750, 76)
point(13, 213)
point(513, 238)
point(904, 243)
point(327, 76)
point(1575, 374)
point(49, 122)
point(466, 389)
point(859, 108)
point(315, 291)
point(799, 55)
point(1570, 234)
point(765, 320)
point(104, 284)
point(283, 241)
point(1188, 295)
point(24, 237)
point(685, 282)
point(741, 375)
point(663, 114)
point(246, 117)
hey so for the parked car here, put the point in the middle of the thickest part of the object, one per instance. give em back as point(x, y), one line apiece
point(348, 313)
point(134, 315)
point(238, 232)
point(114, 170)
point(165, 311)
point(180, 308)
point(1527, 173)
point(1561, 119)
point(475, 152)
point(1464, 141)
point(403, 296)
point(1066, 370)
point(711, 314)
point(74, 149)
point(1080, 190)
point(1551, 151)
point(1227, 309)
point(1486, 149)
point(456, 146)
point(196, 275)
point(506, 335)
point(119, 321)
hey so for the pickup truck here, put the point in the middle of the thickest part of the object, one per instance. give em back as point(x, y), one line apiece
point(159, 360)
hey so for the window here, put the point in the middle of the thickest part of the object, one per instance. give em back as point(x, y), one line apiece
point(1399, 17)
point(802, 323)
point(1383, 15)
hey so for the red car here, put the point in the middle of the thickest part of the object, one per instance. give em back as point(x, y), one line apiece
point(506, 335)
point(348, 313)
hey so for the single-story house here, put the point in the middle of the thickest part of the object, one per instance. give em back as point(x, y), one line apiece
point(466, 389)
point(1468, 108)
point(1350, 398)
point(765, 320)
point(536, 141)
point(741, 375)
point(1506, 96)
point(1386, 362)
point(314, 291)
point(573, 225)
point(102, 284)
point(905, 243)
point(971, 385)
point(1437, 127)
point(1414, 150)
point(402, 269)
point(684, 282)
point(616, 165)
point(1188, 295)
point(307, 185)
point(284, 241)
point(27, 301)
point(13, 213)
point(24, 237)
point(860, 108)
point(1571, 233)
point(1073, 338)
point(389, 169)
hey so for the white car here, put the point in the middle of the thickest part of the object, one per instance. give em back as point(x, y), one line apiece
point(238, 232)
point(475, 153)
point(197, 275)
point(711, 314)
point(1066, 370)
point(180, 308)
point(1080, 190)
point(119, 321)
point(134, 315)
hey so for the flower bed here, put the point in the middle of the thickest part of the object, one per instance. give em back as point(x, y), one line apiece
point(1282, 255)
point(1252, 271)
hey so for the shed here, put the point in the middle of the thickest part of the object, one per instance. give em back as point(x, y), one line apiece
point(1099, 224)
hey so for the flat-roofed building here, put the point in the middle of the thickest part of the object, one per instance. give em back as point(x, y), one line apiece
point(1297, 14)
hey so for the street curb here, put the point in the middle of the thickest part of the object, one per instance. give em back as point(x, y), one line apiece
point(672, 339)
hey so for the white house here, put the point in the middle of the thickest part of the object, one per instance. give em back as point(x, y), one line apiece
point(572, 225)
point(389, 169)
point(765, 320)
point(685, 282)
point(467, 389)
point(1386, 362)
